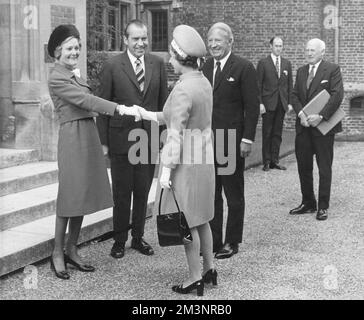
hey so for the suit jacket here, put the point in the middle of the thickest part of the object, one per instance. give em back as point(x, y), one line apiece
point(328, 76)
point(119, 84)
point(235, 98)
point(72, 96)
point(271, 87)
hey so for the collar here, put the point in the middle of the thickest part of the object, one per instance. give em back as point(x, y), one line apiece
point(132, 59)
point(70, 73)
point(222, 61)
point(274, 57)
point(316, 66)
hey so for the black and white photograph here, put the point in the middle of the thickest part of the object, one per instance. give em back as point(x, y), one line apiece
point(182, 156)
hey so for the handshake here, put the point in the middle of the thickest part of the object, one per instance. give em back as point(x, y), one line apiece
point(137, 112)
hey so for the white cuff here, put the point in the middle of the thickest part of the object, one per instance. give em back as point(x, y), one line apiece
point(246, 141)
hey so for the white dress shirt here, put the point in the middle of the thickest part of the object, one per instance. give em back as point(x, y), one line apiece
point(222, 64)
point(274, 58)
point(314, 74)
point(133, 60)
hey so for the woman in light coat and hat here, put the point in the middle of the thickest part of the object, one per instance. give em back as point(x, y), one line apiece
point(187, 160)
point(84, 186)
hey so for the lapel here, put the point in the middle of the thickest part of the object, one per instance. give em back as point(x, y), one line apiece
point(317, 79)
point(225, 71)
point(81, 82)
point(304, 76)
point(283, 67)
point(128, 68)
point(209, 69)
point(71, 75)
point(273, 66)
point(148, 64)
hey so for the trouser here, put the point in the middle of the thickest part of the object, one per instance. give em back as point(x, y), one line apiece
point(306, 146)
point(128, 180)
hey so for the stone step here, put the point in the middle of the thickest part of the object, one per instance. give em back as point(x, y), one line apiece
point(27, 176)
point(33, 241)
point(15, 157)
point(26, 206)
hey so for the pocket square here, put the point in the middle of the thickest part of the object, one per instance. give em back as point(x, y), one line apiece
point(231, 79)
point(285, 72)
point(324, 81)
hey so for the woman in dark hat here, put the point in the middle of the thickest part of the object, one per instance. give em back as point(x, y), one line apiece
point(187, 160)
point(84, 186)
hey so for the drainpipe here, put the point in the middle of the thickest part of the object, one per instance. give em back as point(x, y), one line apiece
point(137, 9)
point(337, 34)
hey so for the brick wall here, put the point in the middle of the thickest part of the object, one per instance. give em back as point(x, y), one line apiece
point(254, 22)
point(62, 15)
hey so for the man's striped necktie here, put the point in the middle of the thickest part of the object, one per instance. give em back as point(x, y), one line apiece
point(139, 74)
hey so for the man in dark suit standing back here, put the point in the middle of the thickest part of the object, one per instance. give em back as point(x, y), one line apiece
point(311, 79)
point(235, 114)
point(131, 78)
point(275, 89)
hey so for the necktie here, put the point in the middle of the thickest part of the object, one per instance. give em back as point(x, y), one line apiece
point(311, 75)
point(217, 73)
point(277, 66)
point(139, 72)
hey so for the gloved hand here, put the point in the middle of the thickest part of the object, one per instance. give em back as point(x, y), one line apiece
point(147, 115)
point(164, 179)
point(129, 111)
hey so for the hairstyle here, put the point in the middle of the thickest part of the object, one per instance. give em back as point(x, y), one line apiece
point(223, 27)
point(319, 43)
point(273, 38)
point(135, 22)
point(189, 61)
point(58, 49)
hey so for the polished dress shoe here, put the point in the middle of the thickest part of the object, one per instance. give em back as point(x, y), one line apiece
point(118, 250)
point(64, 275)
point(303, 208)
point(227, 251)
point(322, 214)
point(210, 277)
point(80, 267)
point(266, 167)
point(198, 285)
point(274, 165)
point(142, 246)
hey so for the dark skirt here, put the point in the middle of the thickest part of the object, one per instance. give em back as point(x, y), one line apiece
point(84, 185)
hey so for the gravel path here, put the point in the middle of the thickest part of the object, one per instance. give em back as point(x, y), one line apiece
point(281, 257)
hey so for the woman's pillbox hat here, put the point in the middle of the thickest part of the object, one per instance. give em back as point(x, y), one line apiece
point(188, 42)
point(59, 34)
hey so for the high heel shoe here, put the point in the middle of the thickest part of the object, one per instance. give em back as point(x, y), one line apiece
point(199, 285)
point(210, 276)
point(59, 274)
point(83, 267)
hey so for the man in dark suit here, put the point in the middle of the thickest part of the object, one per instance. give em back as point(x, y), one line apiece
point(275, 89)
point(235, 115)
point(312, 78)
point(131, 78)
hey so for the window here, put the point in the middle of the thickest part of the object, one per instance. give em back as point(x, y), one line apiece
point(357, 106)
point(106, 23)
point(160, 30)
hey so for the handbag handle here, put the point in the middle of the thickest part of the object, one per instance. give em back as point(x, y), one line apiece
point(175, 200)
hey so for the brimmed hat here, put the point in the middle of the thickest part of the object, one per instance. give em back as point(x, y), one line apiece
point(59, 34)
point(188, 42)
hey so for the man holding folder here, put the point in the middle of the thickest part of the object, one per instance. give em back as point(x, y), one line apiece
point(311, 79)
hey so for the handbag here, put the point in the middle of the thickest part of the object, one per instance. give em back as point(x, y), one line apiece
point(172, 228)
